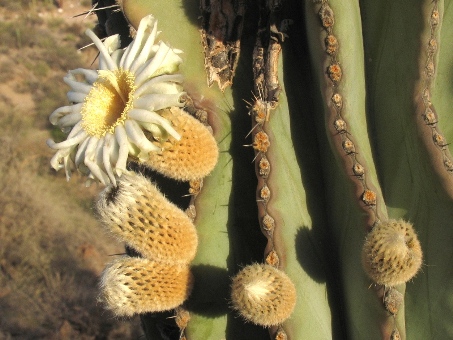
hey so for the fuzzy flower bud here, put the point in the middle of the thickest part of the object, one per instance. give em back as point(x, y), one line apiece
point(392, 254)
point(263, 295)
point(193, 156)
point(136, 212)
point(132, 285)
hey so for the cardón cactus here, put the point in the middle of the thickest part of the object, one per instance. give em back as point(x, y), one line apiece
point(349, 105)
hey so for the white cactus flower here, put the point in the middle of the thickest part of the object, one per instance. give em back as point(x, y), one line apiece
point(113, 111)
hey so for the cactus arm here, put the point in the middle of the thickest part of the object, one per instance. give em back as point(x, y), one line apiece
point(413, 187)
point(299, 224)
point(349, 216)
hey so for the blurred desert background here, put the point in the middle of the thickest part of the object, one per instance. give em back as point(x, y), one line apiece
point(52, 249)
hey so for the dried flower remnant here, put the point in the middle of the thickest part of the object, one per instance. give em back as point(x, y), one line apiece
point(114, 111)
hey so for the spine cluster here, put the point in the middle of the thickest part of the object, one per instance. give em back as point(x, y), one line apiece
point(429, 114)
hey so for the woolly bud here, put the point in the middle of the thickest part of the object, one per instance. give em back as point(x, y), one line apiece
point(132, 285)
point(136, 212)
point(193, 156)
point(263, 295)
point(392, 254)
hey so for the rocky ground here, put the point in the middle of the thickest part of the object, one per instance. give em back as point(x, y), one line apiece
point(52, 249)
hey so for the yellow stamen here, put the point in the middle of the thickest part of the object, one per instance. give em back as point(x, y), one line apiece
point(108, 102)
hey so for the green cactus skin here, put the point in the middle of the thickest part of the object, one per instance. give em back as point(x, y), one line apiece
point(316, 201)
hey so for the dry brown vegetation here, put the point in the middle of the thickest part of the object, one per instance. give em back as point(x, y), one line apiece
point(52, 249)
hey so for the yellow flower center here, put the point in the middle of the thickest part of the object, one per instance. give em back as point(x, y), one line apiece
point(108, 102)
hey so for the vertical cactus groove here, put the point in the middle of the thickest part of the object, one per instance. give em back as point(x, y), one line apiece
point(266, 53)
point(344, 137)
point(266, 89)
point(344, 142)
point(427, 117)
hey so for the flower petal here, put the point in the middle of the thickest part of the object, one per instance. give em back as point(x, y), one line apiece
point(112, 43)
point(145, 53)
point(104, 53)
point(116, 56)
point(123, 153)
point(55, 162)
point(90, 160)
point(90, 75)
point(153, 117)
point(159, 101)
point(69, 120)
point(162, 88)
point(165, 78)
point(136, 45)
point(136, 136)
point(76, 97)
point(68, 166)
point(76, 86)
point(68, 142)
point(107, 151)
point(63, 111)
point(80, 155)
point(165, 61)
